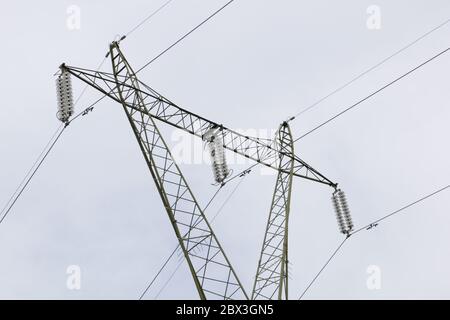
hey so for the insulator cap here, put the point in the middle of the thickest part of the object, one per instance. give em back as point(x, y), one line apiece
point(217, 153)
point(342, 211)
point(64, 96)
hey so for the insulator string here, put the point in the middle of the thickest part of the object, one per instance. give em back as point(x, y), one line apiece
point(342, 211)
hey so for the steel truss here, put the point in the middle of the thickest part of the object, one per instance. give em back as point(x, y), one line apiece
point(271, 280)
point(211, 270)
point(164, 110)
point(213, 275)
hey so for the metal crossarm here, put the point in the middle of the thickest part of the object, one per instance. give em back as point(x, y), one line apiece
point(164, 110)
point(211, 270)
point(271, 280)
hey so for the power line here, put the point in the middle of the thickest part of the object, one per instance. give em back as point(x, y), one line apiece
point(89, 108)
point(368, 227)
point(212, 220)
point(140, 24)
point(32, 175)
point(372, 94)
point(226, 201)
point(43, 155)
point(151, 15)
point(178, 246)
point(39, 161)
point(17, 194)
point(159, 272)
point(30, 170)
point(242, 173)
point(345, 85)
point(159, 55)
point(323, 268)
point(86, 86)
point(164, 51)
point(185, 36)
point(169, 279)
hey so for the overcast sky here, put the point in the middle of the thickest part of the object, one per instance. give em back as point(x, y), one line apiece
point(93, 204)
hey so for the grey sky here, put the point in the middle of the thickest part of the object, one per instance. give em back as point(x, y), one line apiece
point(93, 203)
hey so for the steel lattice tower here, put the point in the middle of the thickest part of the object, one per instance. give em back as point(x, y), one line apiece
point(211, 270)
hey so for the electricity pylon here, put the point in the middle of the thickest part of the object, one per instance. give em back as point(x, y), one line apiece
point(213, 275)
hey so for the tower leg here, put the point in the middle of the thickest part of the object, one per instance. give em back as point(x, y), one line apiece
point(271, 280)
point(211, 270)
